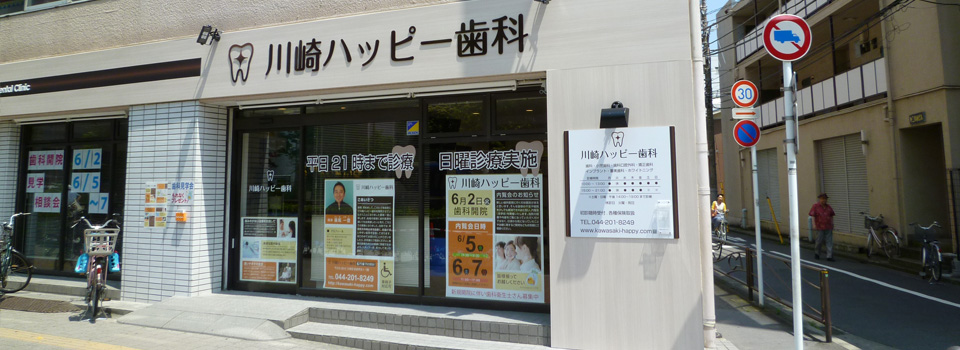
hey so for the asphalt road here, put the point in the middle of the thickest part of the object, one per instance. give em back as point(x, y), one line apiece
point(890, 307)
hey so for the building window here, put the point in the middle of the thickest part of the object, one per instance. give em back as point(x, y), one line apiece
point(8, 7)
point(69, 170)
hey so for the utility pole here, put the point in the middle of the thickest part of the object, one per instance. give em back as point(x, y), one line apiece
point(708, 89)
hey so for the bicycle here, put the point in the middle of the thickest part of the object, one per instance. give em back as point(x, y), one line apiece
point(100, 258)
point(720, 233)
point(888, 240)
point(931, 258)
point(15, 271)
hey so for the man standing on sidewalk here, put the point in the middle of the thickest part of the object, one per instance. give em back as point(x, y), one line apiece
point(822, 215)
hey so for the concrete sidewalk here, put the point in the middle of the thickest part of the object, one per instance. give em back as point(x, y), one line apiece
point(270, 317)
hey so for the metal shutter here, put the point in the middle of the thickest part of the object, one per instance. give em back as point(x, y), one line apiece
point(843, 176)
point(769, 183)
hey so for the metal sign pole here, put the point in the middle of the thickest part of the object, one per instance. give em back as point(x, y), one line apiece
point(790, 121)
point(756, 222)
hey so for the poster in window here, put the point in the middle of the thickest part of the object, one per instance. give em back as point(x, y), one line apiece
point(268, 249)
point(45, 160)
point(358, 225)
point(495, 237)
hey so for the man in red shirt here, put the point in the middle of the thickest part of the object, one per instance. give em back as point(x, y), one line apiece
point(823, 215)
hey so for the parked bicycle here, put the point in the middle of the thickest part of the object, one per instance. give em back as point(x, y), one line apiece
point(100, 242)
point(884, 237)
point(931, 258)
point(15, 271)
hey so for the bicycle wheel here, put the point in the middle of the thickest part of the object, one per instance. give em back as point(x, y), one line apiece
point(18, 274)
point(936, 270)
point(890, 244)
point(870, 244)
point(95, 302)
point(723, 231)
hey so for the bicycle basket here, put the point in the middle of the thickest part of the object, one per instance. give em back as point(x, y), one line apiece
point(870, 223)
point(921, 233)
point(101, 242)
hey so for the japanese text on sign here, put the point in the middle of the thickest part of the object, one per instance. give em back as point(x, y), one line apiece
point(45, 160)
point(492, 160)
point(473, 38)
point(360, 162)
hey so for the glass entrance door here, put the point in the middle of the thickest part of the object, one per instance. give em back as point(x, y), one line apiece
point(266, 225)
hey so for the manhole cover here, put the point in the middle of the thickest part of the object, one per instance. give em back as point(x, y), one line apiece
point(36, 305)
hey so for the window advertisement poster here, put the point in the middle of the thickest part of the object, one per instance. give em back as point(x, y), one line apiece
point(46, 203)
point(359, 237)
point(268, 249)
point(156, 200)
point(495, 237)
point(622, 183)
point(85, 159)
point(35, 182)
point(45, 160)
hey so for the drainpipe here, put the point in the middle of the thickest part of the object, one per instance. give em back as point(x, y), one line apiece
point(703, 178)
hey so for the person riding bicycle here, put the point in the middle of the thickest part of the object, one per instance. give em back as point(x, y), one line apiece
point(717, 211)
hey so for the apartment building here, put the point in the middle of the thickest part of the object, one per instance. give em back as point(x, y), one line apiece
point(878, 106)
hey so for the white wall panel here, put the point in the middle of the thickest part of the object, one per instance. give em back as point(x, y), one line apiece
point(654, 302)
point(854, 84)
point(882, 75)
point(869, 71)
point(173, 142)
point(9, 155)
point(843, 91)
point(829, 98)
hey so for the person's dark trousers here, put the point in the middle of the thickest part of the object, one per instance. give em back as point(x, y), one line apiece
point(824, 237)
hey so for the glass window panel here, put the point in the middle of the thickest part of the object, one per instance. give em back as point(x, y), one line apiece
point(455, 117)
point(93, 130)
point(47, 132)
point(519, 260)
point(521, 114)
point(10, 6)
point(269, 162)
point(270, 112)
point(347, 154)
point(43, 233)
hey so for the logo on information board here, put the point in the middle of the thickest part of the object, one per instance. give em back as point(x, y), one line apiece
point(617, 138)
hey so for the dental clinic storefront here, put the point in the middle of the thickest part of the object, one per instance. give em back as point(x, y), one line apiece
point(406, 156)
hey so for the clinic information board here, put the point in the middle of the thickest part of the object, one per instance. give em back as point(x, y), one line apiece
point(622, 183)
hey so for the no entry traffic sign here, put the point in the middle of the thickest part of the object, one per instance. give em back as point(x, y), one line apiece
point(746, 133)
point(744, 93)
point(787, 37)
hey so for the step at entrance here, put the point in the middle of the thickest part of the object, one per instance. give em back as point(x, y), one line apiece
point(378, 330)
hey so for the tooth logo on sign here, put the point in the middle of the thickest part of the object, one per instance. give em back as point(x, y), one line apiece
point(617, 138)
point(240, 57)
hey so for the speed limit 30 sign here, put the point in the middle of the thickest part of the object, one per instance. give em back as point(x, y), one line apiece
point(744, 93)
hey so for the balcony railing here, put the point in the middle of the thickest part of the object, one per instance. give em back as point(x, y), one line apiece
point(852, 86)
point(753, 41)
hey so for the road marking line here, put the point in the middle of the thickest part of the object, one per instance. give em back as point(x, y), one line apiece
point(885, 284)
point(52, 340)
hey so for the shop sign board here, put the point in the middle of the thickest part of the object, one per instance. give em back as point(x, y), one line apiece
point(622, 183)
point(155, 205)
point(359, 234)
point(268, 249)
point(495, 237)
